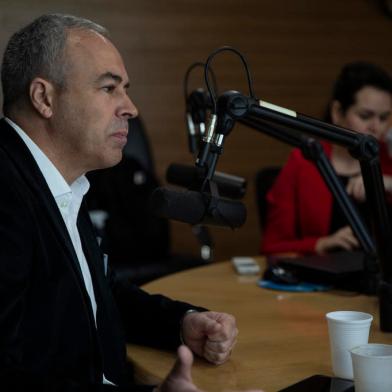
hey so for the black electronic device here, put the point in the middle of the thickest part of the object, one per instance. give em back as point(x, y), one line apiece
point(197, 208)
point(340, 262)
point(278, 274)
point(320, 383)
point(342, 269)
point(229, 185)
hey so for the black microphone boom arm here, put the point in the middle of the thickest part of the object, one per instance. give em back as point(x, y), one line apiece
point(365, 148)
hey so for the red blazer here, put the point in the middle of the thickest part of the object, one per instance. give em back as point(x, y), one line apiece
point(300, 205)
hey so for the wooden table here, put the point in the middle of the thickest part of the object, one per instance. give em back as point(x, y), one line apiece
point(283, 336)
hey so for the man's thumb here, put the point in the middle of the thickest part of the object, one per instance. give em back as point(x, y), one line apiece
point(182, 367)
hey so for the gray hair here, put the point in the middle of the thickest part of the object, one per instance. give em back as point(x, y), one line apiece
point(38, 50)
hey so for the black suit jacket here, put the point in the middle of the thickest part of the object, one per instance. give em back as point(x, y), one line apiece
point(47, 334)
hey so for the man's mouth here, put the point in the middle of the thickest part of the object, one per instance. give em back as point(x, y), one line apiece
point(121, 136)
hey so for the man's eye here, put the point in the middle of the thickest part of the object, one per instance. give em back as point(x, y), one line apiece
point(108, 89)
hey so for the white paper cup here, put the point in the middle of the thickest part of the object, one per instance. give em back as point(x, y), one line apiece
point(347, 329)
point(372, 365)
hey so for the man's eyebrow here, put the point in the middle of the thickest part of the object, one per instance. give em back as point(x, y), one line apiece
point(109, 75)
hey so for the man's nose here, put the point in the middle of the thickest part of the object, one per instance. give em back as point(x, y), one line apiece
point(128, 108)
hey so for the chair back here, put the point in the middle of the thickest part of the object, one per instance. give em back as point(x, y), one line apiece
point(138, 145)
point(265, 178)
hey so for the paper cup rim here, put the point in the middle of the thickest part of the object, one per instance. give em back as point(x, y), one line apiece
point(354, 350)
point(367, 317)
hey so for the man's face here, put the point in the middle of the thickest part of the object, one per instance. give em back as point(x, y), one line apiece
point(90, 115)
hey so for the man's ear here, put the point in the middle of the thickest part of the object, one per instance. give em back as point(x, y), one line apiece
point(336, 112)
point(41, 96)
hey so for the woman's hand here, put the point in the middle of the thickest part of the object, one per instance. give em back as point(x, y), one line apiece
point(341, 239)
point(356, 189)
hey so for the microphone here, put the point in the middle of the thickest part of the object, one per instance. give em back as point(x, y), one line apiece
point(197, 208)
point(196, 104)
point(230, 106)
point(230, 186)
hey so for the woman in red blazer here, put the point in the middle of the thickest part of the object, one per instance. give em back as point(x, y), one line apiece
point(302, 217)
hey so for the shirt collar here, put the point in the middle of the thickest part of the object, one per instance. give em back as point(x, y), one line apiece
point(56, 182)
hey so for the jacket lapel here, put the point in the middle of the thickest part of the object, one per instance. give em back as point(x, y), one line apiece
point(28, 169)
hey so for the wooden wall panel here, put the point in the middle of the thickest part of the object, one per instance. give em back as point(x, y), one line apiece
point(295, 49)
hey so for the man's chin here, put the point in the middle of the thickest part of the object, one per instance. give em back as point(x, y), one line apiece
point(110, 161)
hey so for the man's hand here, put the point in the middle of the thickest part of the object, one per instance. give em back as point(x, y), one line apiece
point(341, 239)
point(211, 335)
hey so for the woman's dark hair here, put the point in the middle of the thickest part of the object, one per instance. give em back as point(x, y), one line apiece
point(352, 78)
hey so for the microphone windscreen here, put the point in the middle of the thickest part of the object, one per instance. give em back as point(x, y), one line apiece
point(228, 213)
point(188, 206)
point(184, 175)
point(229, 185)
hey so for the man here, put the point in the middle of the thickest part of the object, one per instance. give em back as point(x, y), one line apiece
point(64, 319)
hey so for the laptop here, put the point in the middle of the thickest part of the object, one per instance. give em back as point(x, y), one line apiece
point(342, 269)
